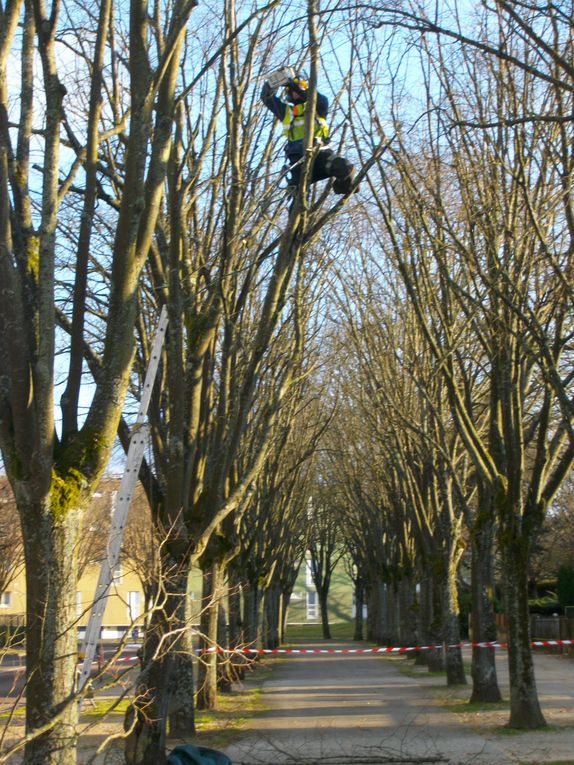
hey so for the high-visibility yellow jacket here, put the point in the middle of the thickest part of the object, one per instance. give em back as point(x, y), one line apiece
point(294, 123)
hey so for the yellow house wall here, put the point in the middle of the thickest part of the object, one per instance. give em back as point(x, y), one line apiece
point(17, 589)
point(117, 613)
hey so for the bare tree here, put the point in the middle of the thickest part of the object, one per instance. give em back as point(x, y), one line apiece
point(458, 260)
point(53, 471)
point(325, 546)
point(237, 275)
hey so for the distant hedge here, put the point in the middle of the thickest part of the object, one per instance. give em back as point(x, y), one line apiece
point(545, 606)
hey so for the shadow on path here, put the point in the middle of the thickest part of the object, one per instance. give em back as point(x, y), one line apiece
point(347, 709)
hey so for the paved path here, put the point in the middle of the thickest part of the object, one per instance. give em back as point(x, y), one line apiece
point(359, 708)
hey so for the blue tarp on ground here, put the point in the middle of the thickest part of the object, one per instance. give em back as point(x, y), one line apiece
point(197, 755)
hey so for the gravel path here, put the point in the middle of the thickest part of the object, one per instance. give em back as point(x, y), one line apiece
point(363, 708)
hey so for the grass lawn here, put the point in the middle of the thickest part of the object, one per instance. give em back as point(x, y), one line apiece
point(339, 631)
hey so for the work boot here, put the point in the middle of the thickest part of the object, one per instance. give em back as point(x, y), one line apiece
point(342, 171)
point(340, 168)
point(343, 185)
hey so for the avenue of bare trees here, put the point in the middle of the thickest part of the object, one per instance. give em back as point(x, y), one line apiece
point(385, 377)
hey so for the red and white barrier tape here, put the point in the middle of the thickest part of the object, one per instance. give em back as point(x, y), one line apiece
point(381, 649)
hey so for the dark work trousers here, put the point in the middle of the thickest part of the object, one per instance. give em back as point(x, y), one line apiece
point(319, 171)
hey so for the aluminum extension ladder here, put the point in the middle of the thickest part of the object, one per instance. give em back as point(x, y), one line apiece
point(138, 441)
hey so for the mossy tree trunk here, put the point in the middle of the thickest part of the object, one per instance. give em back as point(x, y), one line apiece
point(52, 644)
point(53, 471)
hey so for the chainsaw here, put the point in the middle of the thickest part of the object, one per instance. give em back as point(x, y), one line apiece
point(280, 77)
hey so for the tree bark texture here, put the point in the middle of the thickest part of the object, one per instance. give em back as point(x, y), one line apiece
point(407, 601)
point(375, 616)
point(236, 636)
point(272, 612)
point(430, 622)
point(165, 686)
point(525, 711)
point(51, 645)
point(324, 608)
point(450, 624)
point(207, 668)
point(285, 600)
point(252, 596)
point(392, 616)
point(359, 595)
point(225, 674)
point(182, 689)
point(483, 627)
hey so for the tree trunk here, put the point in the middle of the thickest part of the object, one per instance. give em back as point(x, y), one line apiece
point(392, 616)
point(161, 688)
point(323, 607)
point(51, 638)
point(423, 619)
point(484, 681)
point(451, 627)
point(207, 668)
point(407, 600)
point(376, 598)
point(236, 637)
point(359, 600)
point(431, 619)
point(525, 709)
point(224, 660)
point(236, 625)
point(251, 609)
point(181, 703)
point(182, 690)
point(145, 720)
point(285, 600)
point(272, 604)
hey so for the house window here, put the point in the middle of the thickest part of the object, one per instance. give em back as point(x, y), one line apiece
point(6, 599)
point(79, 605)
point(134, 605)
point(312, 605)
point(118, 574)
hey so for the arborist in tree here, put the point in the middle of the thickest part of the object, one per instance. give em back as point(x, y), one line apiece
point(291, 111)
